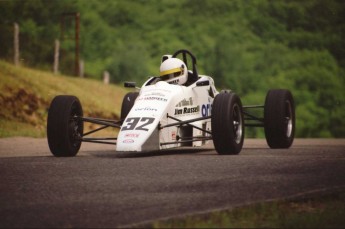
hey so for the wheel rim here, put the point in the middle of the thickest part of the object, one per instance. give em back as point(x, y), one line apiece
point(237, 123)
point(288, 118)
point(75, 126)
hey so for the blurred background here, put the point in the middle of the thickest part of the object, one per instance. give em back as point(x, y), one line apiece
point(248, 46)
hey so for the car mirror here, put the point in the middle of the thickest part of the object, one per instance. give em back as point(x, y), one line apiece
point(203, 83)
point(130, 84)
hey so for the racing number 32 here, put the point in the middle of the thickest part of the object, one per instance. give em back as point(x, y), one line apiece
point(132, 123)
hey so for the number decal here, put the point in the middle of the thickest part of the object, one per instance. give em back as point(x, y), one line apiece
point(148, 122)
point(131, 123)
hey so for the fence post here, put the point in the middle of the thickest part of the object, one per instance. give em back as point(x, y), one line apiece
point(81, 68)
point(56, 56)
point(106, 77)
point(77, 26)
point(16, 44)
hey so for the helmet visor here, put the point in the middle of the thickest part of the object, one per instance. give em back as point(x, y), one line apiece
point(172, 73)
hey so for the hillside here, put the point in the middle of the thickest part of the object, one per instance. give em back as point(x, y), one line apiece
point(25, 95)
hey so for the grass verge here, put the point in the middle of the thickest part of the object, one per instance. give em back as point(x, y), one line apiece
point(326, 211)
point(25, 96)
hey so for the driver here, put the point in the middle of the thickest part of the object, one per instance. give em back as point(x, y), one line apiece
point(173, 71)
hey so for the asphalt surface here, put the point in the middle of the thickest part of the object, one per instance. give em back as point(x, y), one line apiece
point(99, 189)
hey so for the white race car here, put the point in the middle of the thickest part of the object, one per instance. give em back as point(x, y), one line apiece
point(164, 115)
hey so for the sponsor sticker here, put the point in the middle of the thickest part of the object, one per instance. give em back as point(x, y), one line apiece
point(185, 102)
point(128, 141)
point(158, 89)
point(155, 94)
point(206, 110)
point(148, 98)
point(187, 110)
point(173, 135)
point(145, 109)
point(132, 135)
point(174, 81)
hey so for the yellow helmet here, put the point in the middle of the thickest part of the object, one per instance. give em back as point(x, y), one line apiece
point(174, 71)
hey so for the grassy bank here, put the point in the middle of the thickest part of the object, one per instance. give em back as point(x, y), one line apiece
point(25, 95)
point(325, 211)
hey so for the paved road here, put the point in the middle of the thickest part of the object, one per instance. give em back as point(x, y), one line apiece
point(99, 189)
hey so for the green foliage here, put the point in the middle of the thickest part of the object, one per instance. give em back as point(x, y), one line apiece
point(247, 46)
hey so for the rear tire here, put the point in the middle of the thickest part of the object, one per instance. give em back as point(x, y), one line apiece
point(64, 132)
point(127, 103)
point(279, 119)
point(227, 123)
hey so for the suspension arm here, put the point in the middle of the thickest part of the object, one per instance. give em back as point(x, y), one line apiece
point(112, 123)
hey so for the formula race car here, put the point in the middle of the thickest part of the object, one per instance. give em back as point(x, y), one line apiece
point(179, 108)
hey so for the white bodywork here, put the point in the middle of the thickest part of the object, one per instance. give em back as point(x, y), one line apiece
point(156, 106)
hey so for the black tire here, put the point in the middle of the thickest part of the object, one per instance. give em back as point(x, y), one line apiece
point(227, 123)
point(127, 103)
point(279, 119)
point(64, 132)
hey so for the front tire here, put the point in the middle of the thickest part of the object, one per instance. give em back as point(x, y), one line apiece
point(127, 103)
point(64, 131)
point(279, 119)
point(227, 123)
